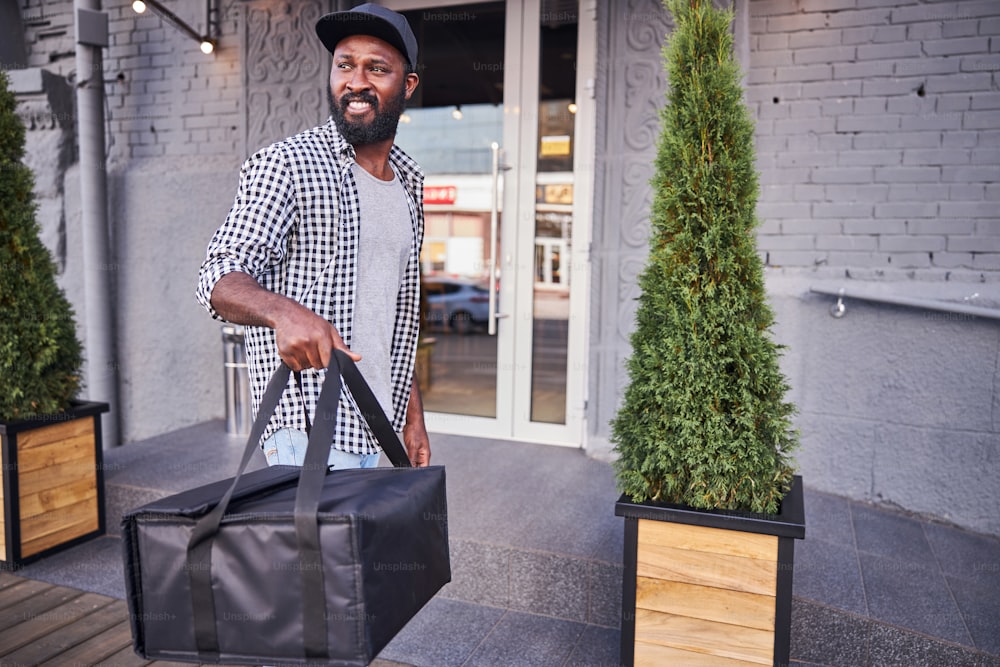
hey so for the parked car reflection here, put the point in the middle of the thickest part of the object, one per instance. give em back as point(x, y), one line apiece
point(458, 304)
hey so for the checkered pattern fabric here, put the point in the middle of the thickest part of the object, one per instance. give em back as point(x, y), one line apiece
point(294, 226)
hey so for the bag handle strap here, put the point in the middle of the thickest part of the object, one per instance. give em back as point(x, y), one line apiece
point(314, 470)
point(310, 487)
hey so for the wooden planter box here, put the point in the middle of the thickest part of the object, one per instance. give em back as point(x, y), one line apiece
point(53, 483)
point(707, 587)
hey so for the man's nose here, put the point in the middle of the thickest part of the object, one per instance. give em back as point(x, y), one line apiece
point(358, 80)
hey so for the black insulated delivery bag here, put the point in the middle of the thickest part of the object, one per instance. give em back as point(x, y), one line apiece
point(290, 565)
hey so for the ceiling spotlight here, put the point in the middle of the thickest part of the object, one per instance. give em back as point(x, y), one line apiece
point(138, 6)
point(457, 113)
point(207, 46)
point(404, 117)
point(572, 107)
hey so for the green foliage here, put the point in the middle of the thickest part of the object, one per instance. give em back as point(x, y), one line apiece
point(40, 355)
point(703, 421)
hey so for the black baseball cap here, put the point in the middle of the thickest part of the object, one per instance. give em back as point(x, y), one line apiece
point(369, 19)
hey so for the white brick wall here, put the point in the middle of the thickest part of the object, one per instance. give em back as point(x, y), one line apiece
point(878, 135)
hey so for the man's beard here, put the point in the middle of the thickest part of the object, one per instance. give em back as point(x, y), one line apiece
point(381, 128)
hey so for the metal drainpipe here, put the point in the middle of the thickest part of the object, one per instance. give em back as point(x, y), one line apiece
point(102, 367)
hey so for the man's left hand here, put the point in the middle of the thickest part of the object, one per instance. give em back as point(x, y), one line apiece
point(418, 445)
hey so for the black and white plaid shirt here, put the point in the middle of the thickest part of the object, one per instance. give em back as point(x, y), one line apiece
point(294, 227)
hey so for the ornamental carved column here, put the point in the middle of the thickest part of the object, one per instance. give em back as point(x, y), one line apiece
point(286, 70)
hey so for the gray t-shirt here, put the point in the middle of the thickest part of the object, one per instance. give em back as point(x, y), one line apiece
point(385, 242)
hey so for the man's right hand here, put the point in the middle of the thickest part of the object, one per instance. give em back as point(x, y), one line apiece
point(305, 340)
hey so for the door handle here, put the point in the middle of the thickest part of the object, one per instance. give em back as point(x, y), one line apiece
point(494, 273)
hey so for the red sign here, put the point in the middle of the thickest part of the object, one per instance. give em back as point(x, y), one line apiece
point(440, 194)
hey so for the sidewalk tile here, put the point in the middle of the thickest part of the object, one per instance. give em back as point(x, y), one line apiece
point(443, 634)
point(912, 596)
point(829, 573)
point(965, 555)
point(524, 640)
point(980, 607)
point(549, 584)
point(597, 647)
point(480, 573)
point(828, 518)
point(891, 535)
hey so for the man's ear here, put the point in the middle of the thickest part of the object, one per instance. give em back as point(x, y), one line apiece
point(411, 83)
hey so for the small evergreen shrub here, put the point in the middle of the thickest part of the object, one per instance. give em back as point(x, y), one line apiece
point(40, 355)
point(703, 420)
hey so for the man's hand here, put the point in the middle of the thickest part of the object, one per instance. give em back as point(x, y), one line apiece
point(305, 340)
point(418, 445)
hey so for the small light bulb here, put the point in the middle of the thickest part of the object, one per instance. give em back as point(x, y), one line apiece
point(404, 118)
point(572, 107)
point(457, 113)
point(207, 47)
point(139, 6)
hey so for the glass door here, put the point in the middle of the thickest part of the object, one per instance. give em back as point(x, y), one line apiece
point(492, 126)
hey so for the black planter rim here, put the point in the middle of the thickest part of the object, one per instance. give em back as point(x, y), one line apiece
point(76, 410)
point(789, 522)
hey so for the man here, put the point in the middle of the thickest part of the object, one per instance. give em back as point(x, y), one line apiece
point(321, 248)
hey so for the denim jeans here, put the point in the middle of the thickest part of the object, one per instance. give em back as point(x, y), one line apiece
point(288, 447)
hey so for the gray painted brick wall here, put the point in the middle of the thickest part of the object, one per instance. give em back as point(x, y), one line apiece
point(881, 123)
point(847, 96)
point(165, 97)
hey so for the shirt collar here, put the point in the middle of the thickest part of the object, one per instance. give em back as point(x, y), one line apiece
point(402, 164)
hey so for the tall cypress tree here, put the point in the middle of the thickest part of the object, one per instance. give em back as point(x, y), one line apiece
point(703, 420)
point(40, 355)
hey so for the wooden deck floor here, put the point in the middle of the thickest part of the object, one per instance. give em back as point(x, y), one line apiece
point(54, 626)
point(43, 624)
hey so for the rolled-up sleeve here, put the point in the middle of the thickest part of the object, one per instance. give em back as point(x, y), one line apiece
point(253, 238)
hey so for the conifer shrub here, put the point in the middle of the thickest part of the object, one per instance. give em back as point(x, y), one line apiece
point(40, 354)
point(703, 420)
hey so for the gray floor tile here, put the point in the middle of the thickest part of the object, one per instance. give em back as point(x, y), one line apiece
point(909, 595)
point(95, 565)
point(597, 647)
point(610, 549)
point(604, 606)
point(180, 460)
point(828, 518)
point(965, 555)
point(549, 584)
point(444, 634)
point(524, 640)
point(537, 515)
point(891, 535)
point(480, 573)
point(980, 607)
point(829, 573)
point(120, 499)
